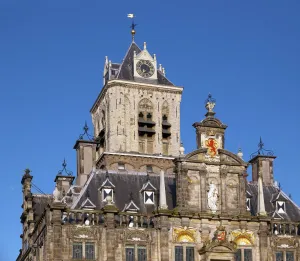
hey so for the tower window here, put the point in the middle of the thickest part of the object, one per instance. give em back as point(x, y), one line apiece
point(121, 166)
point(141, 115)
point(149, 168)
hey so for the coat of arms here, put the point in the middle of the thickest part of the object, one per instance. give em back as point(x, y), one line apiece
point(212, 146)
point(220, 234)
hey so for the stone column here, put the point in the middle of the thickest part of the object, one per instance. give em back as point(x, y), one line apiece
point(223, 174)
point(110, 211)
point(263, 241)
point(242, 203)
point(163, 220)
point(202, 173)
point(57, 236)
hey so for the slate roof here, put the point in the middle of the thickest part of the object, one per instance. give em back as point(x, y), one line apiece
point(125, 184)
point(271, 193)
point(126, 69)
point(40, 202)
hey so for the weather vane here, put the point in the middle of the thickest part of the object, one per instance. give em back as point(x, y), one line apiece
point(133, 25)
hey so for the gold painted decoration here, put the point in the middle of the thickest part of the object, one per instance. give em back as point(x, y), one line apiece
point(184, 234)
point(212, 146)
point(243, 237)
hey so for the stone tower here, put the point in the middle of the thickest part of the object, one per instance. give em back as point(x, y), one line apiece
point(138, 108)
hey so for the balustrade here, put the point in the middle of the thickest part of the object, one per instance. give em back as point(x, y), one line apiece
point(285, 228)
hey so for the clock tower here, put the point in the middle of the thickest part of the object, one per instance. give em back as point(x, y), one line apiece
point(138, 108)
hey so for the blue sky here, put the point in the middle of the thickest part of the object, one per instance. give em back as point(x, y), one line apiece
point(246, 53)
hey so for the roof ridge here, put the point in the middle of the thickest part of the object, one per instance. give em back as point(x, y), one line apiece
point(120, 69)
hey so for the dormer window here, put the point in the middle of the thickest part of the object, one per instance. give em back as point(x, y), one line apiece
point(148, 191)
point(280, 206)
point(107, 189)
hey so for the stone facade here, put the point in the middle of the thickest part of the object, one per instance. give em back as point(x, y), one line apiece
point(136, 200)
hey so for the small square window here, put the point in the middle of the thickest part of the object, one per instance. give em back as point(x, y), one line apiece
point(121, 166)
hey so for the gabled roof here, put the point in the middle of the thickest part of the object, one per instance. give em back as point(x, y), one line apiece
point(278, 197)
point(131, 207)
point(148, 186)
point(107, 183)
point(88, 204)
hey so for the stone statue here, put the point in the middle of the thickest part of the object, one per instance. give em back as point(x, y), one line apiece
point(212, 197)
point(56, 194)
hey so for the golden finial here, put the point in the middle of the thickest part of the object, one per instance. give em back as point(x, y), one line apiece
point(133, 25)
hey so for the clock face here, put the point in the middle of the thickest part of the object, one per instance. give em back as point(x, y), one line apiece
point(145, 68)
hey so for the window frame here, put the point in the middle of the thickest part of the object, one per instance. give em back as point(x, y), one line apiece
point(136, 247)
point(184, 246)
point(284, 252)
point(242, 248)
point(83, 244)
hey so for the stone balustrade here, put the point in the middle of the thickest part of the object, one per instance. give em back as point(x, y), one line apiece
point(285, 228)
point(94, 217)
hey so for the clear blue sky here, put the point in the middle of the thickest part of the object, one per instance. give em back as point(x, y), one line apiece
point(246, 53)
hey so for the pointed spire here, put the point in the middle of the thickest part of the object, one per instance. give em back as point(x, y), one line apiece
point(162, 192)
point(261, 210)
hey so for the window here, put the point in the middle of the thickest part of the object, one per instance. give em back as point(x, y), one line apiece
point(106, 193)
point(284, 256)
point(77, 251)
point(243, 254)
point(149, 197)
point(280, 206)
point(183, 253)
point(84, 251)
point(121, 166)
point(136, 253)
point(149, 168)
point(89, 251)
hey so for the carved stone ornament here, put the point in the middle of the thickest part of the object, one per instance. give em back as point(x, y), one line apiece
point(212, 198)
point(137, 236)
point(83, 232)
point(184, 234)
point(220, 245)
point(242, 237)
point(284, 241)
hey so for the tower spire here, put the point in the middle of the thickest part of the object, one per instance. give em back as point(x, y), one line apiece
point(133, 25)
